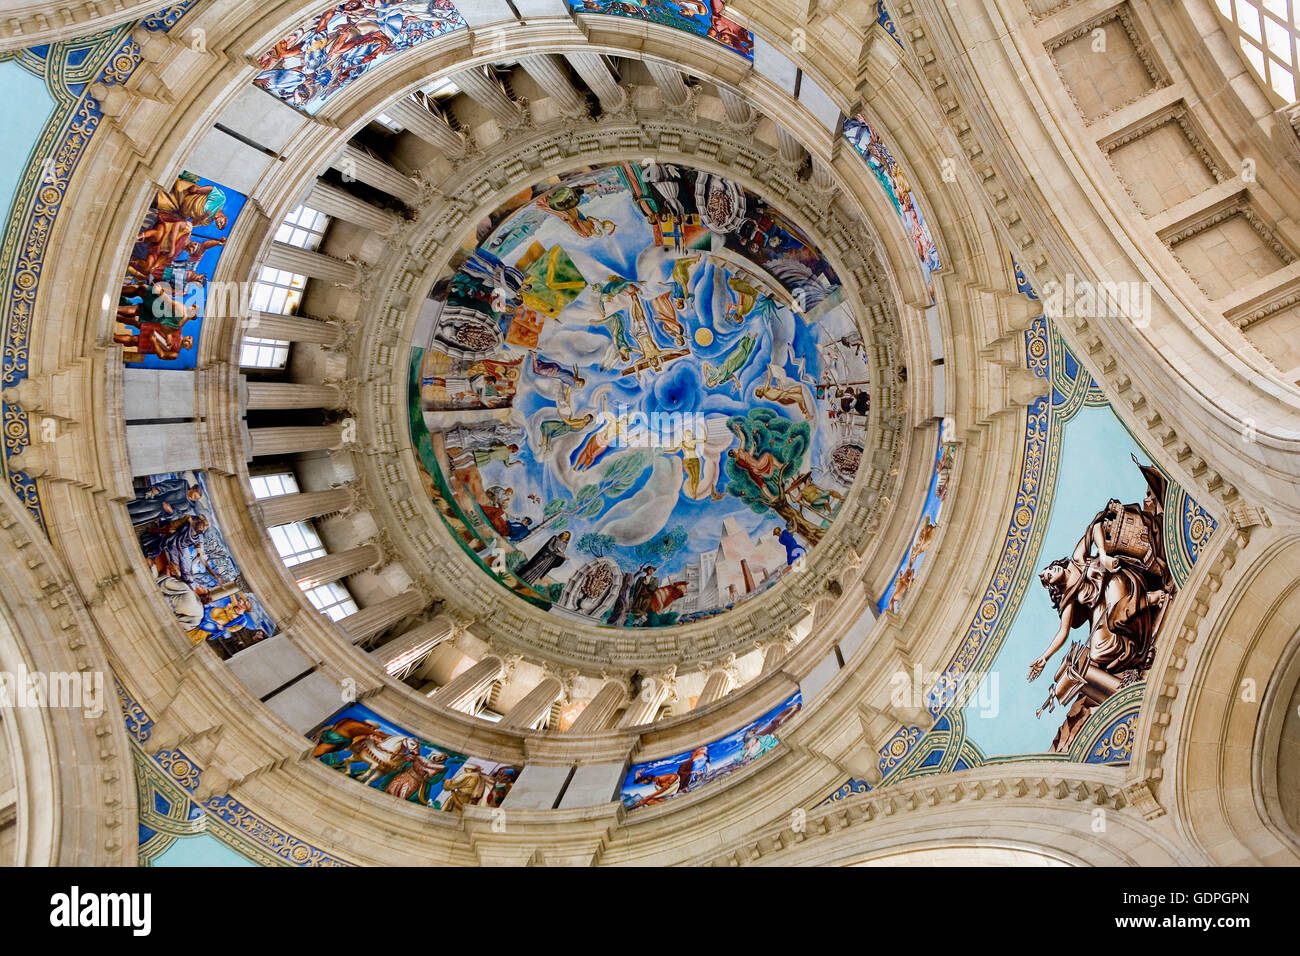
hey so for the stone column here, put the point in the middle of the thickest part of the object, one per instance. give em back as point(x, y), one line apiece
point(295, 439)
point(286, 509)
point(739, 113)
point(373, 171)
point(341, 204)
point(792, 152)
point(464, 691)
point(671, 83)
point(655, 692)
point(313, 265)
point(379, 617)
point(336, 566)
point(291, 328)
point(293, 395)
point(821, 177)
point(775, 654)
point(536, 705)
point(716, 686)
point(595, 73)
point(425, 124)
point(408, 650)
point(599, 712)
point(548, 71)
point(487, 92)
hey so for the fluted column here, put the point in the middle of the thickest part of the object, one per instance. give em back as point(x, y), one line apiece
point(464, 691)
point(295, 439)
point(293, 395)
point(595, 73)
point(716, 686)
point(335, 566)
point(670, 81)
point(655, 692)
point(313, 265)
point(599, 712)
point(821, 177)
point(408, 650)
point(373, 171)
point(286, 509)
point(424, 123)
point(548, 71)
point(790, 148)
point(775, 654)
point(291, 328)
point(488, 93)
point(341, 204)
point(379, 617)
point(536, 705)
point(739, 112)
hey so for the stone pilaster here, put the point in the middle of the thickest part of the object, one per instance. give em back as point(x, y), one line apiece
point(532, 711)
point(286, 509)
point(293, 395)
point(341, 204)
point(487, 92)
point(335, 566)
point(295, 439)
point(464, 691)
point(313, 265)
point(378, 617)
point(599, 713)
point(423, 123)
point(548, 71)
point(596, 74)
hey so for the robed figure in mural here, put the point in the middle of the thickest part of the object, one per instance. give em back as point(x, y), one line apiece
point(1117, 583)
point(548, 557)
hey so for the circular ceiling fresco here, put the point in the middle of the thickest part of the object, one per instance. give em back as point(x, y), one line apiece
point(637, 397)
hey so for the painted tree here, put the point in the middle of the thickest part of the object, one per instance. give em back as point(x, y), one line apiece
point(765, 432)
point(595, 544)
point(663, 548)
point(590, 501)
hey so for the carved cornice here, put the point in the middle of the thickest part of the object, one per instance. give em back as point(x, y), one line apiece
point(861, 811)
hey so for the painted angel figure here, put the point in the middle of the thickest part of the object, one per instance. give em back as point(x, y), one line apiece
point(1116, 583)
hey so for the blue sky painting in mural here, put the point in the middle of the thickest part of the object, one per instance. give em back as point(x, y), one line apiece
point(168, 284)
point(25, 107)
point(193, 568)
point(866, 140)
point(670, 396)
point(1095, 466)
point(704, 18)
point(369, 749)
point(927, 525)
point(652, 783)
point(326, 53)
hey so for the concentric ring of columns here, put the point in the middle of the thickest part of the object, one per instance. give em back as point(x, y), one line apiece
point(379, 330)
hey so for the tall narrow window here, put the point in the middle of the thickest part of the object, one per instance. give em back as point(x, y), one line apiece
point(1266, 32)
point(268, 486)
point(297, 542)
point(304, 228)
point(332, 599)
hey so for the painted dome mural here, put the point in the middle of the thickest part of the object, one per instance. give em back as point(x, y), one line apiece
point(640, 398)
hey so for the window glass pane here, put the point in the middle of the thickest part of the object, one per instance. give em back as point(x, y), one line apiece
point(1279, 40)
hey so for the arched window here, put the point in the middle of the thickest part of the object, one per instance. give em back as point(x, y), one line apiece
point(1266, 32)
